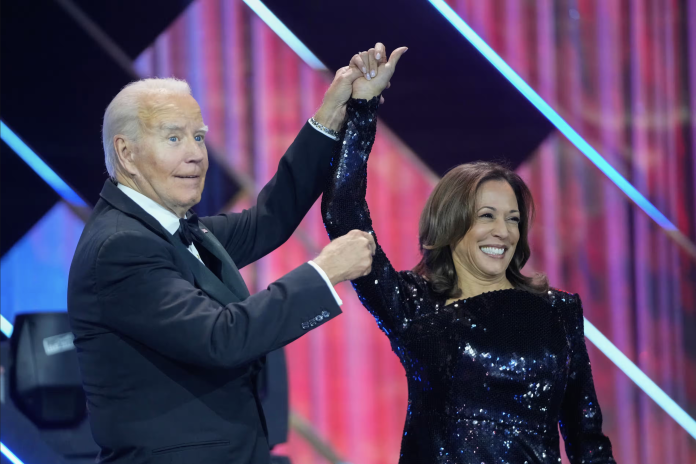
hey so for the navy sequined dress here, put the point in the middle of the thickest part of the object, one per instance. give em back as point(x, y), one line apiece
point(489, 377)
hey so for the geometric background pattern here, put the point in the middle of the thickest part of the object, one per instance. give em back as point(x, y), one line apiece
point(619, 72)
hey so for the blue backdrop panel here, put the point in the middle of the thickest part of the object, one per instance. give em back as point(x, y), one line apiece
point(34, 273)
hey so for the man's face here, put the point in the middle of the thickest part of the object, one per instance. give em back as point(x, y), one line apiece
point(170, 157)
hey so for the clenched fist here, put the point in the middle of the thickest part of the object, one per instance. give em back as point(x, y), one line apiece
point(347, 257)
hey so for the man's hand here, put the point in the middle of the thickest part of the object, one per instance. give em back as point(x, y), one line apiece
point(333, 109)
point(347, 257)
point(376, 69)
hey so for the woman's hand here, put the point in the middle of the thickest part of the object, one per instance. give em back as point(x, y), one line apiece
point(376, 69)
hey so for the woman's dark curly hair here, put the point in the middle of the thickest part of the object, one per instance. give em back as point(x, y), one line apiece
point(449, 214)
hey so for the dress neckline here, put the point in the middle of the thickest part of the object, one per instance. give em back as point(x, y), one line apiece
point(489, 293)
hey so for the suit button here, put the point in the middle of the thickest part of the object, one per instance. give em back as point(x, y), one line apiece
point(325, 314)
point(319, 318)
point(305, 325)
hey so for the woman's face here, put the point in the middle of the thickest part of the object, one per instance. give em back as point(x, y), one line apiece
point(488, 247)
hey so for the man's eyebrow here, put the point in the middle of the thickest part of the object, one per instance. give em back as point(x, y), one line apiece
point(167, 127)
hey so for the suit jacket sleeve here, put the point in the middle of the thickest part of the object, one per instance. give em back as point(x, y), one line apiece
point(281, 204)
point(143, 296)
point(581, 417)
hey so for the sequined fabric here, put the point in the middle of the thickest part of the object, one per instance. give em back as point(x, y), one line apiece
point(490, 377)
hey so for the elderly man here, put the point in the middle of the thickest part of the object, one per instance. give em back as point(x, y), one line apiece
point(169, 340)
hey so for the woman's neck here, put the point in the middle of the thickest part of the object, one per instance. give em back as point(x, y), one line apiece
point(471, 286)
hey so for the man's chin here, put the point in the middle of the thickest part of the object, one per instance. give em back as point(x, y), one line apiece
point(189, 202)
point(193, 202)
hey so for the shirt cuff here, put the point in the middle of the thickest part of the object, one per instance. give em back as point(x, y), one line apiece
point(328, 282)
point(318, 129)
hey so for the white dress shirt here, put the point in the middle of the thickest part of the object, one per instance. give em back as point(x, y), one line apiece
point(170, 222)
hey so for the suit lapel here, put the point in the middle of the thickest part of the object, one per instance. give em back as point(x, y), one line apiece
point(229, 272)
point(205, 279)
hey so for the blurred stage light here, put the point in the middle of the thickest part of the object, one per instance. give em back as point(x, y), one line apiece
point(6, 326)
point(642, 380)
point(284, 33)
point(9, 454)
point(40, 167)
point(552, 115)
point(594, 335)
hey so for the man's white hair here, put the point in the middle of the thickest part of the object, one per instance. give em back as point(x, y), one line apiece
point(121, 116)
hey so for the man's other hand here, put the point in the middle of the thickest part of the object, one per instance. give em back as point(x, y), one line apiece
point(347, 257)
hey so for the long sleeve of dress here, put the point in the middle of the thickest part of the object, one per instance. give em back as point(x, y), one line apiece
point(344, 208)
point(581, 417)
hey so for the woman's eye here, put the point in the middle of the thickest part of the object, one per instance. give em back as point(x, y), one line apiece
point(486, 215)
point(516, 219)
point(173, 138)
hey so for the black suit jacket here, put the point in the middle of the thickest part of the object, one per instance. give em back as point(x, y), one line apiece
point(169, 349)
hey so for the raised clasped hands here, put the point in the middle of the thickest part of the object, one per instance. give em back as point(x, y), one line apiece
point(367, 75)
point(376, 71)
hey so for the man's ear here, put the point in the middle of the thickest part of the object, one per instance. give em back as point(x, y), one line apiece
point(125, 152)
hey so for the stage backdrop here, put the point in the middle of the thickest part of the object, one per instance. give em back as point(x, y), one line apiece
point(621, 73)
point(618, 71)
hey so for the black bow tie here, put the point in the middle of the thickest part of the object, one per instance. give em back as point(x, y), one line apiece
point(189, 230)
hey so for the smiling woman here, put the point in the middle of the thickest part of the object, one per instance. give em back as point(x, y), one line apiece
point(474, 232)
point(495, 360)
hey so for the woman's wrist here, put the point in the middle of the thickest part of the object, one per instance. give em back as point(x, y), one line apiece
point(363, 108)
point(367, 96)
